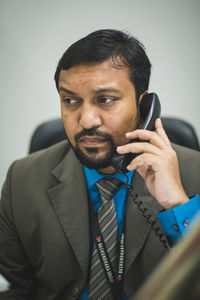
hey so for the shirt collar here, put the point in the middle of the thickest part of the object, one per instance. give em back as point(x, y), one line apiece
point(93, 176)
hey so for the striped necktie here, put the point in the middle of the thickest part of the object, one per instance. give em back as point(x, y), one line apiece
point(98, 284)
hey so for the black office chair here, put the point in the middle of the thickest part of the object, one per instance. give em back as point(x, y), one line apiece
point(47, 134)
point(52, 132)
point(181, 132)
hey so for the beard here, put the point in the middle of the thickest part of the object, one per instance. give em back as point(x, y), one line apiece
point(90, 161)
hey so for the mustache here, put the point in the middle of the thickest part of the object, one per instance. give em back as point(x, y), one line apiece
point(91, 132)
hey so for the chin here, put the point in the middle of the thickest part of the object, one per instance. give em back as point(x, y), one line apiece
point(93, 159)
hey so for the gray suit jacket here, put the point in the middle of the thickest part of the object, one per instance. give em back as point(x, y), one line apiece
point(44, 225)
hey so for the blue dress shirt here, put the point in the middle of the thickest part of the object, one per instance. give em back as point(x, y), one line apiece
point(175, 221)
point(178, 220)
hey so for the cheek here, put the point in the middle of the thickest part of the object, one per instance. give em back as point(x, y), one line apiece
point(130, 117)
point(70, 127)
point(122, 124)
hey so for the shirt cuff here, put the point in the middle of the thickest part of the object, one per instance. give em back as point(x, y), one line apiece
point(178, 220)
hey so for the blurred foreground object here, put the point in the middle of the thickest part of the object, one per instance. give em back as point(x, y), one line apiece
point(178, 276)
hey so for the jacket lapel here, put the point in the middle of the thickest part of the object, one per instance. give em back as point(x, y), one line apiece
point(137, 227)
point(69, 199)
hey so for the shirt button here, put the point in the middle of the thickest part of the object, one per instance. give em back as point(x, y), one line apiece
point(186, 223)
point(176, 228)
point(75, 291)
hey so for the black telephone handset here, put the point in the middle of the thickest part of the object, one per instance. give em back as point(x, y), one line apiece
point(149, 111)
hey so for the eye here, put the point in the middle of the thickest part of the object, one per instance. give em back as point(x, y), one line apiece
point(70, 101)
point(107, 100)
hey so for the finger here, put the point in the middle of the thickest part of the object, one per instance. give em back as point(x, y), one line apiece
point(147, 135)
point(161, 132)
point(142, 170)
point(145, 160)
point(139, 147)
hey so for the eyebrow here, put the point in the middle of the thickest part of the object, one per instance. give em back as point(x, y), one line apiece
point(62, 89)
point(107, 90)
point(98, 91)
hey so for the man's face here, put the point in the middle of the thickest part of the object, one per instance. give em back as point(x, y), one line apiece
point(98, 106)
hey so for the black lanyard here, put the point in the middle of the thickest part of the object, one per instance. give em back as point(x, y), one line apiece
point(114, 280)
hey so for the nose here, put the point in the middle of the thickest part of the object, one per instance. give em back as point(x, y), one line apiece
point(90, 117)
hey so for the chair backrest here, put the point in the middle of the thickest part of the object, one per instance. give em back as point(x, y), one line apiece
point(181, 132)
point(47, 134)
point(52, 132)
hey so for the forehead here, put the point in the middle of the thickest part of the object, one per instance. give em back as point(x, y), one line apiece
point(102, 73)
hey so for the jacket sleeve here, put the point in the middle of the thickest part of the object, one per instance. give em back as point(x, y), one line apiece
point(14, 264)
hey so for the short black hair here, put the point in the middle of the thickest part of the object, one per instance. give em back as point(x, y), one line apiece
point(105, 44)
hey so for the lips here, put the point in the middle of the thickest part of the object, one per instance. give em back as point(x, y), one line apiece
point(91, 141)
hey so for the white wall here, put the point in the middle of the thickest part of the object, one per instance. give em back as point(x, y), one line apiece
point(35, 33)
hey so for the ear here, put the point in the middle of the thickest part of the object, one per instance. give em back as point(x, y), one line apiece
point(141, 96)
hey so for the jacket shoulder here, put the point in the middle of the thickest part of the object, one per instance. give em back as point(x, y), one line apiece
point(184, 151)
point(36, 168)
point(188, 158)
point(47, 158)
point(189, 164)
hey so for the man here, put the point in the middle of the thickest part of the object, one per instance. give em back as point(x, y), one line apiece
point(62, 236)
